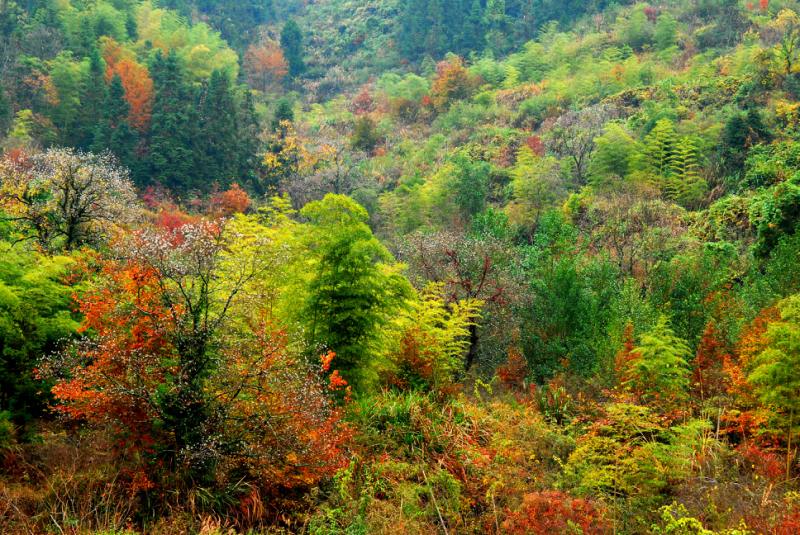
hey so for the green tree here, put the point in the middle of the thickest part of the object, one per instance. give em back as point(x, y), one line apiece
point(172, 126)
point(93, 100)
point(5, 113)
point(636, 30)
point(659, 369)
point(365, 136)
point(36, 318)
point(114, 133)
point(218, 136)
point(614, 154)
point(292, 45)
point(284, 111)
point(355, 288)
point(659, 147)
point(470, 185)
point(775, 376)
point(685, 185)
point(666, 32)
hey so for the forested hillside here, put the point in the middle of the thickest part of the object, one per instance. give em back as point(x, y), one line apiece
point(399, 266)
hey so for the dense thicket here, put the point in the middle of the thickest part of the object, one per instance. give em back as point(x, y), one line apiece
point(366, 266)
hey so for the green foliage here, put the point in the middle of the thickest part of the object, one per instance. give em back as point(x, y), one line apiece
point(566, 319)
point(659, 370)
point(470, 185)
point(774, 375)
point(36, 319)
point(292, 45)
point(432, 338)
point(629, 453)
point(365, 135)
point(775, 213)
point(616, 150)
point(635, 29)
point(354, 289)
point(666, 31)
point(114, 133)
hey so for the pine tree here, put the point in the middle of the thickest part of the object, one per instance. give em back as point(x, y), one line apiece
point(170, 159)
point(92, 98)
point(247, 141)
point(292, 45)
point(113, 133)
point(218, 139)
point(436, 38)
point(472, 36)
point(413, 28)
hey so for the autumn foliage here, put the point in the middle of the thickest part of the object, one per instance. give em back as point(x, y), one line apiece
point(548, 512)
point(136, 81)
point(266, 65)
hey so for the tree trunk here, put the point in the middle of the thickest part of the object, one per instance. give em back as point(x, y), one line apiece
point(472, 352)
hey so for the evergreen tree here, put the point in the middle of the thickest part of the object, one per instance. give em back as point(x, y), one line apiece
point(114, 133)
point(472, 36)
point(218, 138)
point(685, 185)
point(170, 159)
point(659, 148)
point(659, 369)
point(775, 376)
point(247, 141)
point(284, 111)
point(292, 45)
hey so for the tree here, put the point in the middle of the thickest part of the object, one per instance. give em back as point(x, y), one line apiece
point(5, 113)
point(636, 29)
point(36, 319)
point(785, 29)
point(114, 133)
point(472, 269)
point(218, 133)
point(64, 199)
point(666, 31)
point(172, 128)
point(537, 184)
point(266, 66)
point(573, 137)
point(292, 45)
point(613, 156)
point(365, 136)
point(354, 289)
point(138, 86)
point(431, 339)
point(708, 378)
point(470, 185)
point(555, 512)
point(93, 97)
point(659, 370)
point(685, 185)
point(185, 376)
point(452, 82)
point(659, 147)
point(774, 376)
